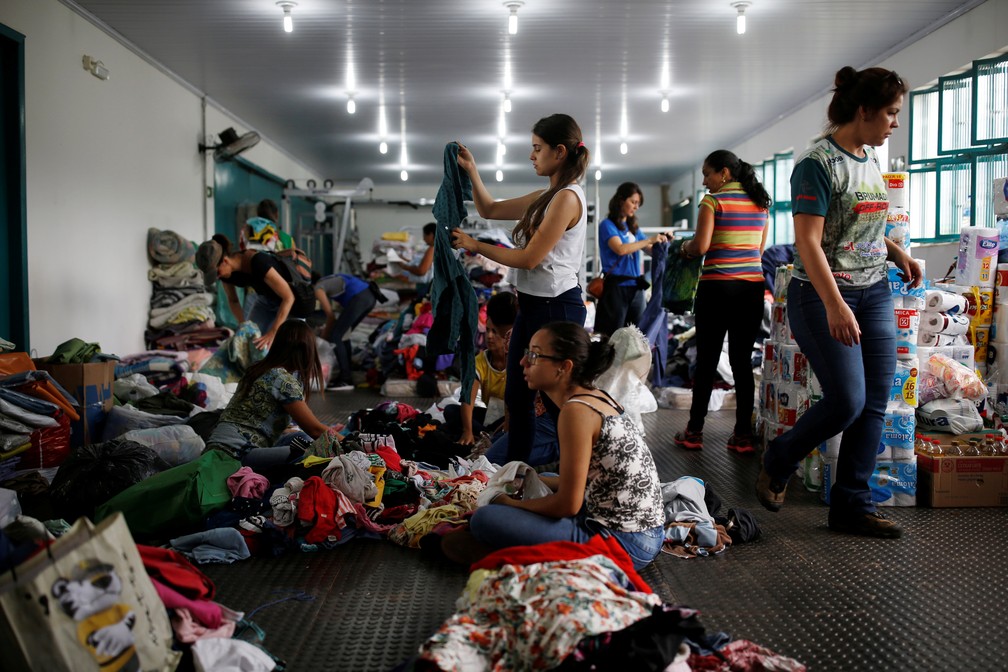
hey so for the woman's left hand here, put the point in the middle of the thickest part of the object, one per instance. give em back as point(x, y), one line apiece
point(910, 270)
point(265, 341)
point(463, 240)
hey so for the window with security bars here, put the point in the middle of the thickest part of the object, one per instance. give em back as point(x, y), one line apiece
point(775, 174)
point(958, 147)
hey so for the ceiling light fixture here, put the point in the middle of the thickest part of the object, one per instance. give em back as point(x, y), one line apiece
point(95, 67)
point(507, 102)
point(664, 85)
point(624, 129)
point(382, 129)
point(740, 20)
point(403, 161)
point(351, 106)
point(513, 6)
point(664, 103)
point(288, 22)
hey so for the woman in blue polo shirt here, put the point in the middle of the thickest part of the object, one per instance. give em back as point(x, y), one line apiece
point(620, 245)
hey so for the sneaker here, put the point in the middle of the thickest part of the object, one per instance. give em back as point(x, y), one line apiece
point(689, 440)
point(872, 524)
point(769, 491)
point(339, 387)
point(741, 444)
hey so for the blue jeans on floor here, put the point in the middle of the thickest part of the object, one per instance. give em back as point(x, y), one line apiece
point(503, 526)
point(356, 309)
point(855, 383)
point(533, 313)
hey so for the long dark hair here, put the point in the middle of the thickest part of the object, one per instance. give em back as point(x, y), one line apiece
point(720, 159)
point(871, 88)
point(293, 349)
point(569, 340)
point(555, 130)
point(623, 192)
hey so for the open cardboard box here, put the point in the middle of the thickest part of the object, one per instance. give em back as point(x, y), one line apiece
point(951, 481)
point(91, 385)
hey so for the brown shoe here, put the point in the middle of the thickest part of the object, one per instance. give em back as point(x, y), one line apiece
point(872, 524)
point(769, 491)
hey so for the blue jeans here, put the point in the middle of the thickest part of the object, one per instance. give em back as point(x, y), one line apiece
point(855, 383)
point(263, 311)
point(356, 309)
point(545, 450)
point(502, 526)
point(533, 313)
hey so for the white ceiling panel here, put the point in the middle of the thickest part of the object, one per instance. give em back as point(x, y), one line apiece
point(439, 66)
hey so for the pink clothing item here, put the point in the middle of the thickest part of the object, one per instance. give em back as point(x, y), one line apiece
point(247, 483)
point(206, 612)
point(188, 630)
point(364, 521)
point(405, 412)
point(422, 324)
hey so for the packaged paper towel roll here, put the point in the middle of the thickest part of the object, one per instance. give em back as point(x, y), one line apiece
point(905, 296)
point(830, 448)
point(978, 248)
point(771, 369)
point(904, 387)
point(965, 355)
point(794, 366)
point(898, 427)
point(940, 323)
point(897, 227)
point(897, 186)
point(940, 301)
point(932, 339)
point(792, 401)
point(780, 329)
point(768, 399)
point(907, 325)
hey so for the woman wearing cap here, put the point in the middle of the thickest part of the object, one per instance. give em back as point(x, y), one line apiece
point(263, 272)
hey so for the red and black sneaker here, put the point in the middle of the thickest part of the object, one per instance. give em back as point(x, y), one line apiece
point(741, 444)
point(689, 440)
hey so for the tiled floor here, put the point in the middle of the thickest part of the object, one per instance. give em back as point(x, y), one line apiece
point(937, 599)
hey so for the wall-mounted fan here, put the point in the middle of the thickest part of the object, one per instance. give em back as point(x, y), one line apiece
point(231, 144)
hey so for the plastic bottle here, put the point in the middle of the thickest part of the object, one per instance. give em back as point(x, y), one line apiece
point(935, 449)
point(954, 450)
point(1001, 444)
point(988, 446)
point(973, 448)
point(920, 445)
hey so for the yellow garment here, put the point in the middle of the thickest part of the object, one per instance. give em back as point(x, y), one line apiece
point(422, 522)
point(492, 381)
point(401, 236)
point(379, 478)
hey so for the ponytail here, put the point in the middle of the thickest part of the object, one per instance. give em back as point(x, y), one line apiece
point(741, 172)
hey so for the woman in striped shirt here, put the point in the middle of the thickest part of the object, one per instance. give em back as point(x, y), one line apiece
point(731, 231)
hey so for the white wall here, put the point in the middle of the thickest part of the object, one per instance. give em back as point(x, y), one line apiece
point(105, 161)
point(976, 34)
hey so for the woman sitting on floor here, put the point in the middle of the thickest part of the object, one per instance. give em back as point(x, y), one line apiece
point(273, 391)
point(608, 482)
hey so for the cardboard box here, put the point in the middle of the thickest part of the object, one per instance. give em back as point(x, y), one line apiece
point(91, 385)
point(948, 481)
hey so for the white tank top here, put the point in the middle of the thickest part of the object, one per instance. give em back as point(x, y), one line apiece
point(558, 271)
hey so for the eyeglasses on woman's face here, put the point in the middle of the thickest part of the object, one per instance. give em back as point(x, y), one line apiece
point(532, 357)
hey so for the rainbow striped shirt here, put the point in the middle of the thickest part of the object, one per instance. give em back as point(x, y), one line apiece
point(734, 252)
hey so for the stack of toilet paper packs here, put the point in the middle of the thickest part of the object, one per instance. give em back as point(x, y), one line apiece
point(787, 385)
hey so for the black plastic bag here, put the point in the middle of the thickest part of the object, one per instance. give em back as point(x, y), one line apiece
point(95, 473)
